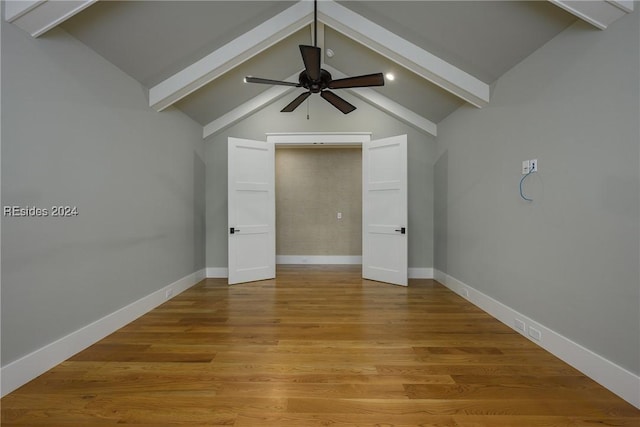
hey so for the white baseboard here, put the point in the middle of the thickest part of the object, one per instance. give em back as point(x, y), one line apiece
point(414, 273)
point(28, 367)
point(217, 272)
point(615, 378)
point(420, 273)
point(318, 259)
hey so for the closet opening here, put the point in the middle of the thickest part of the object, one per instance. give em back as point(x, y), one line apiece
point(318, 191)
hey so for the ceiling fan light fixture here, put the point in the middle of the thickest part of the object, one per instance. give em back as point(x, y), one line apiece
point(390, 77)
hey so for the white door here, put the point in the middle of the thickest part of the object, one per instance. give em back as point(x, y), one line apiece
point(384, 210)
point(252, 212)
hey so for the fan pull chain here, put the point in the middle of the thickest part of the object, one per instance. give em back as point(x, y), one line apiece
point(307, 108)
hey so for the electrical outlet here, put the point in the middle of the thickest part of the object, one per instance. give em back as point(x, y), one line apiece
point(520, 326)
point(525, 167)
point(533, 165)
point(535, 333)
point(339, 215)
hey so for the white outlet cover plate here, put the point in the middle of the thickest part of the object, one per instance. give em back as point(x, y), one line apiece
point(535, 334)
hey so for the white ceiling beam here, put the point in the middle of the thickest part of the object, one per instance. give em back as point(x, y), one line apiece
point(599, 13)
point(14, 9)
point(396, 110)
point(626, 5)
point(404, 53)
point(390, 107)
point(230, 55)
point(248, 108)
point(38, 17)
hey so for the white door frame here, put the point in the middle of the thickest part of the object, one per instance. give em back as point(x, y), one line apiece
point(329, 139)
point(323, 138)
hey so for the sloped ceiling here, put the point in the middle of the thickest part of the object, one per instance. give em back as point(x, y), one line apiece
point(153, 40)
point(228, 91)
point(484, 38)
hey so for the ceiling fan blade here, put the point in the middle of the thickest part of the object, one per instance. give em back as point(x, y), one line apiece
point(294, 104)
point(311, 59)
point(359, 81)
point(250, 79)
point(337, 102)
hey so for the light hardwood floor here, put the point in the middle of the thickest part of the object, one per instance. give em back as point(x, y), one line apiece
point(317, 347)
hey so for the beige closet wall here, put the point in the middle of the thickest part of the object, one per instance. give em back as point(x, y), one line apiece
point(312, 186)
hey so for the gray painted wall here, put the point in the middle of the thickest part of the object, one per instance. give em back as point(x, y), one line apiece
point(324, 118)
point(78, 131)
point(569, 259)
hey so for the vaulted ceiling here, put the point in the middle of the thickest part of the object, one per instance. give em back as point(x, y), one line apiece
point(194, 54)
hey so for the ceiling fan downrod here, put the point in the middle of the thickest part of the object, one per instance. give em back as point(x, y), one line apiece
point(315, 23)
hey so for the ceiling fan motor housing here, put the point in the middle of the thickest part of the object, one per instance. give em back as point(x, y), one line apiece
point(315, 86)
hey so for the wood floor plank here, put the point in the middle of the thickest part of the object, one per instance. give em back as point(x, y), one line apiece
point(541, 421)
point(342, 420)
point(476, 369)
point(327, 390)
point(317, 346)
point(501, 391)
point(484, 406)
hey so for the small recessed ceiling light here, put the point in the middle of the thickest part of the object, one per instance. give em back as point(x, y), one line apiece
point(390, 76)
point(244, 80)
point(330, 53)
